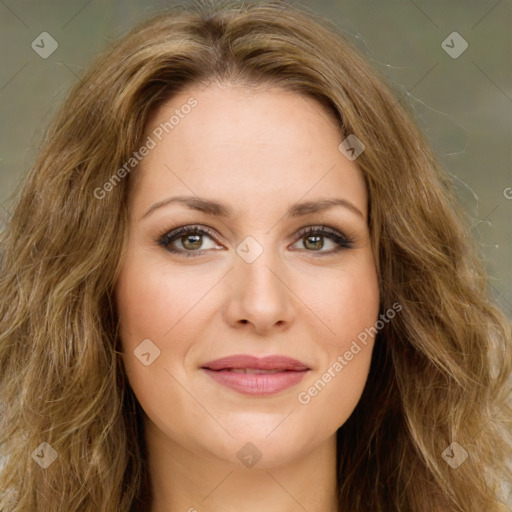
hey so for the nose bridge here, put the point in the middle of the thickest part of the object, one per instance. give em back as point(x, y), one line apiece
point(260, 295)
point(257, 266)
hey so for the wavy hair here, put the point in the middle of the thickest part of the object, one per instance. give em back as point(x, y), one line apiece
point(440, 371)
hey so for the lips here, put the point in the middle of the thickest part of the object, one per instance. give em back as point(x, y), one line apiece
point(276, 363)
point(251, 375)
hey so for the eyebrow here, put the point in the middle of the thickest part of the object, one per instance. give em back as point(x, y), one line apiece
point(217, 209)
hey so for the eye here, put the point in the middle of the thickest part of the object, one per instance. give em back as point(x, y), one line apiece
point(313, 239)
point(189, 240)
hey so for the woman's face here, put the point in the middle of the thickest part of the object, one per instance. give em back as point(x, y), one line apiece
point(256, 170)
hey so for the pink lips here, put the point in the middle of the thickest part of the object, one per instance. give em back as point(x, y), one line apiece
point(256, 376)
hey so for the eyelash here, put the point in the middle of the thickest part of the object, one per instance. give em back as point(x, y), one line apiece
point(165, 238)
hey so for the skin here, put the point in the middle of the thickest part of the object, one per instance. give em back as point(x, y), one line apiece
point(274, 148)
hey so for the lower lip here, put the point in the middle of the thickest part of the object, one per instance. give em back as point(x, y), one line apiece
point(256, 384)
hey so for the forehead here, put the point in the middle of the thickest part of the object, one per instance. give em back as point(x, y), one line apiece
point(246, 146)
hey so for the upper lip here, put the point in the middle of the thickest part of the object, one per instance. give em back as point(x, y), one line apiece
point(273, 362)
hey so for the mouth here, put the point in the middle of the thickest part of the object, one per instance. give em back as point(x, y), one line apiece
point(248, 362)
point(255, 376)
point(250, 370)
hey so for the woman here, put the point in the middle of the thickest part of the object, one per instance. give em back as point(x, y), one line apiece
point(237, 279)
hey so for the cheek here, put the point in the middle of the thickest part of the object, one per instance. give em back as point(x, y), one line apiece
point(150, 301)
point(335, 392)
point(147, 309)
point(143, 306)
point(156, 303)
point(348, 303)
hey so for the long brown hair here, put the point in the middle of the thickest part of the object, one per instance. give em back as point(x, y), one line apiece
point(440, 370)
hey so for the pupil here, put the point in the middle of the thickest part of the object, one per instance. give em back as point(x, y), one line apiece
point(195, 244)
point(316, 239)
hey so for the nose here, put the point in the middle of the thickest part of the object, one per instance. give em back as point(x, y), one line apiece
point(261, 295)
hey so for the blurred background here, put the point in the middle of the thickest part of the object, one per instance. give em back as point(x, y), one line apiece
point(450, 61)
